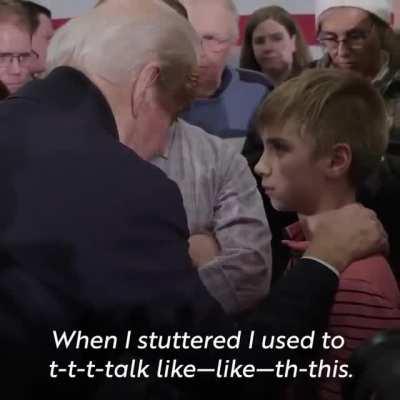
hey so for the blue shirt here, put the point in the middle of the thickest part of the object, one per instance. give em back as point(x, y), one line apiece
point(228, 112)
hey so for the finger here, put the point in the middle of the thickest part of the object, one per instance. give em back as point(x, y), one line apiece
point(296, 246)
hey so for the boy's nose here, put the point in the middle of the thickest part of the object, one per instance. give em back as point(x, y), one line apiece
point(263, 168)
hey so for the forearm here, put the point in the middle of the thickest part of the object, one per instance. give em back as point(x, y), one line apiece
point(246, 277)
point(219, 287)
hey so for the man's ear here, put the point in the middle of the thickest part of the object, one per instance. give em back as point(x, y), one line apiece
point(339, 162)
point(141, 83)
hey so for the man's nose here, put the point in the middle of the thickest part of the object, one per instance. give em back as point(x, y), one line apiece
point(343, 49)
point(15, 66)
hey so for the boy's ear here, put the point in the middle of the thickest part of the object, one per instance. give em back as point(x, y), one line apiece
point(141, 84)
point(339, 161)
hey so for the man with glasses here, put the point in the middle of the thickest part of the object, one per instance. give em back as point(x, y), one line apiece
point(350, 32)
point(227, 97)
point(15, 45)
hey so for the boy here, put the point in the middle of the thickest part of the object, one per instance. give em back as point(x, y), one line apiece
point(324, 133)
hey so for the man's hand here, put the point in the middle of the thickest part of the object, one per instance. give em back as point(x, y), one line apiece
point(342, 236)
point(203, 248)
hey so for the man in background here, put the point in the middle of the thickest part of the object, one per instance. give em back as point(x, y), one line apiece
point(227, 96)
point(43, 31)
point(15, 45)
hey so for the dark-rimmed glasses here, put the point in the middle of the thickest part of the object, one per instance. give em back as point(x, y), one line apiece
point(24, 59)
point(354, 39)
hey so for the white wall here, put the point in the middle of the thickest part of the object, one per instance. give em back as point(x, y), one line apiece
point(67, 8)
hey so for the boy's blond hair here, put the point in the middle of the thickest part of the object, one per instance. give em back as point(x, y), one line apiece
point(331, 106)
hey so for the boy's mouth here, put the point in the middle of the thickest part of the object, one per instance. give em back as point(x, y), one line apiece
point(268, 189)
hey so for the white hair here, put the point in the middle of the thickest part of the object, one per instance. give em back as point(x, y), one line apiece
point(231, 6)
point(113, 44)
point(228, 5)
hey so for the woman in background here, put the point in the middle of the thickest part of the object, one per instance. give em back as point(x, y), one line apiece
point(274, 45)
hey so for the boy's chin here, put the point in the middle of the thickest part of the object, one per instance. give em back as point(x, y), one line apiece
point(281, 206)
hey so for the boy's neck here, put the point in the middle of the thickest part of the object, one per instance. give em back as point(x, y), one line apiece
point(332, 199)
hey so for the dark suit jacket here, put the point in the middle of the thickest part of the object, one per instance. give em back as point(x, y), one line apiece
point(93, 238)
point(82, 213)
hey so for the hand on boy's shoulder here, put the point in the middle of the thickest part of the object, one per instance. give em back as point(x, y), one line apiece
point(339, 237)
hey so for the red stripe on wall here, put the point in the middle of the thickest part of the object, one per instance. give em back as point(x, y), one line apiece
point(58, 22)
point(306, 23)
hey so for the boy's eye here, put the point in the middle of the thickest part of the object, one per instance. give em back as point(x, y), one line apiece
point(277, 146)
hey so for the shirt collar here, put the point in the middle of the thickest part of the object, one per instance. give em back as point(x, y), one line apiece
point(226, 79)
point(385, 69)
point(172, 132)
point(294, 232)
point(69, 88)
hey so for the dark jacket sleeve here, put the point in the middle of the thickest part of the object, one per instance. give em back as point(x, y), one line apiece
point(33, 305)
point(299, 302)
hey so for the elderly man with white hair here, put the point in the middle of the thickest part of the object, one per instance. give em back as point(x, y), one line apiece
point(229, 234)
point(94, 239)
point(92, 235)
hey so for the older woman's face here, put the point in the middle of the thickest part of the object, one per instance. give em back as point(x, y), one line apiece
point(273, 47)
point(351, 39)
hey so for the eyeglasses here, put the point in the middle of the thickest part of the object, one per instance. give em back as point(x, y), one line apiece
point(24, 59)
point(214, 43)
point(354, 39)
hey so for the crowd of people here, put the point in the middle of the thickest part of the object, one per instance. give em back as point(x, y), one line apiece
point(151, 186)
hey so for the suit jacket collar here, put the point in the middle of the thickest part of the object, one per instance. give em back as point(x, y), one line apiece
point(67, 88)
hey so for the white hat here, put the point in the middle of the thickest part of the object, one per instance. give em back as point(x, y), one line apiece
point(381, 8)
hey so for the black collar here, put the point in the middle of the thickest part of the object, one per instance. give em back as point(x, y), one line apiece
point(68, 89)
point(226, 80)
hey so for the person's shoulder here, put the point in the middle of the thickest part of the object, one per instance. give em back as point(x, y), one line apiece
point(371, 276)
point(367, 268)
point(390, 88)
point(139, 169)
point(212, 147)
point(252, 77)
point(199, 140)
